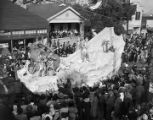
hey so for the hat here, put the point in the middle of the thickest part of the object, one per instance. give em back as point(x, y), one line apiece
point(61, 95)
point(144, 117)
point(151, 111)
point(121, 89)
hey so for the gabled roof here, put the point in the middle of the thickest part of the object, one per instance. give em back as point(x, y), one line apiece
point(147, 17)
point(13, 17)
point(49, 11)
point(148, 13)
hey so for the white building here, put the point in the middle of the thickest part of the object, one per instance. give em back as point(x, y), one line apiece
point(147, 23)
point(65, 23)
point(147, 20)
point(136, 20)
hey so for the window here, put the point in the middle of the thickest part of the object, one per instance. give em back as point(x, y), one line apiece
point(137, 17)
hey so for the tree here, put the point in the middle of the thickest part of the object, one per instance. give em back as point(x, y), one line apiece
point(129, 10)
point(112, 13)
point(115, 12)
point(92, 20)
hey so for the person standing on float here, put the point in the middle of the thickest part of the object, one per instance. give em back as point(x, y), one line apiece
point(78, 45)
point(84, 53)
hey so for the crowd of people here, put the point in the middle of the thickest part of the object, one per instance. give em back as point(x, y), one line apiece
point(122, 97)
point(63, 49)
point(63, 33)
point(10, 62)
point(137, 48)
point(16, 59)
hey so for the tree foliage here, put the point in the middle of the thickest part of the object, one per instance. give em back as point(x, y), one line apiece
point(112, 13)
point(92, 20)
point(116, 12)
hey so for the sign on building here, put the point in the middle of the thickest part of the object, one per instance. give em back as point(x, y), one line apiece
point(149, 23)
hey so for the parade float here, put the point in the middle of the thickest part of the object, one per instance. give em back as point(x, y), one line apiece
point(97, 59)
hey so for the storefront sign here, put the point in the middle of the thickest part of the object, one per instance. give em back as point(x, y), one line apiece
point(30, 32)
point(5, 33)
point(18, 33)
point(41, 31)
point(149, 23)
point(26, 32)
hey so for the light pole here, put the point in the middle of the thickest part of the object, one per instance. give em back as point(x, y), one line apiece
point(127, 17)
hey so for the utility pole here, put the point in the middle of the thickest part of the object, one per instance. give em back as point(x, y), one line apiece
point(127, 25)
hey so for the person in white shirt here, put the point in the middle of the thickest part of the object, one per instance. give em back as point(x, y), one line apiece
point(84, 50)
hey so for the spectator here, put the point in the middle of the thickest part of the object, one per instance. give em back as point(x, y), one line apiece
point(72, 111)
point(20, 115)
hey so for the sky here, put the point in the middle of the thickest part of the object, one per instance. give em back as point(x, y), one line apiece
point(147, 5)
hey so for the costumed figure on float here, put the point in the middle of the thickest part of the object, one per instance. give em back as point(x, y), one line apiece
point(38, 73)
point(84, 50)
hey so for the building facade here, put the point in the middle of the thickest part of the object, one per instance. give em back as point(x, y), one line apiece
point(147, 23)
point(134, 25)
point(135, 22)
point(65, 23)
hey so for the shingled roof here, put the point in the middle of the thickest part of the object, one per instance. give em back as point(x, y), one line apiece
point(50, 10)
point(13, 17)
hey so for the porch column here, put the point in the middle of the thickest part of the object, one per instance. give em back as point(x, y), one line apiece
point(11, 43)
point(36, 39)
point(48, 35)
point(12, 46)
point(82, 30)
point(14, 66)
point(42, 39)
point(24, 43)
